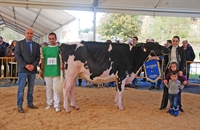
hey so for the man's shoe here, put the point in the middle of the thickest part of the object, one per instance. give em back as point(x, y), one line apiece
point(152, 87)
point(47, 107)
point(161, 108)
point(57, 109)
point(158, 88)
point(21, 110)
point(181, 110)
point(133, 86)
point(32, 106)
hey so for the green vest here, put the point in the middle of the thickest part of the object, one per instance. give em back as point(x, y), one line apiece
point(51, 61)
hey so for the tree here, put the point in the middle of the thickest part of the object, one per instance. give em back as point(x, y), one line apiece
point(162, 28)
point(9, 34)
point(86, 30)
point(119, 26)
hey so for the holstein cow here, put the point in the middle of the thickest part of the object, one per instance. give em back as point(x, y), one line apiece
point(103, 62)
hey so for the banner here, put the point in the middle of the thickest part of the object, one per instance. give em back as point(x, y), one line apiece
point(152, 70)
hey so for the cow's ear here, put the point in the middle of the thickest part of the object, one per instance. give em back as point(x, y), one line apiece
point(143, 47)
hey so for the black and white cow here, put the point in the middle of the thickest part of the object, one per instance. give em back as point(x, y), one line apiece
point(104, 62)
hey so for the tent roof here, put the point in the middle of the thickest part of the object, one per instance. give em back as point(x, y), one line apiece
point(42, 17)
point(183, 8)
point(42, 21)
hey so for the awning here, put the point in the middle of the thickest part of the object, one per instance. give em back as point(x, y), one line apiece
point(42, 21)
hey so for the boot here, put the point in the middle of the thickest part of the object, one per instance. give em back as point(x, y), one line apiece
point(171, 111)
point(180, 108)
point(152, 87)
point(176, 112)
point(143, 80)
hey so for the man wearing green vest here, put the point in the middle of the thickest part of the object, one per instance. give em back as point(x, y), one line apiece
point(50, 70)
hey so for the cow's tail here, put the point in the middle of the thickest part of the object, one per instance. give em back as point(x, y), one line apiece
point(59, 86)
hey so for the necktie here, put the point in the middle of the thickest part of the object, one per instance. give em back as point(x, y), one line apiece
point(30, 46)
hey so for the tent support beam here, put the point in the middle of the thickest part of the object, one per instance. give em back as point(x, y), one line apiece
point(95, 5)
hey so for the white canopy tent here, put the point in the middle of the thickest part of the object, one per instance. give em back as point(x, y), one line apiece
point(40, 9)
point(42, 21)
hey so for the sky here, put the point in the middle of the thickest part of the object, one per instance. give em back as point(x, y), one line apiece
point(86, 18)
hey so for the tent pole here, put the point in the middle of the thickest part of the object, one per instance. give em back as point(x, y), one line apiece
point(94, 25)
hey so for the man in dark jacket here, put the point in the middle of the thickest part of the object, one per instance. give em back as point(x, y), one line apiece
point(190, 56)
point(177, 54)
point(27, 54)
point(3, 49)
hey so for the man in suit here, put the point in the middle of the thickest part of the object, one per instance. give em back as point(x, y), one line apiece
point(27, 54)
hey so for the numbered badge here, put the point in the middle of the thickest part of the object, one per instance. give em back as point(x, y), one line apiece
point(51, 61)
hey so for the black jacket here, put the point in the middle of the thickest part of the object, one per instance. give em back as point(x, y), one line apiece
point(24, 56)
point(3, 49)
point(190, 56)
point(181, 58)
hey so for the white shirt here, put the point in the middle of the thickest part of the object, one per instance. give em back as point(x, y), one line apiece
point(173, 55)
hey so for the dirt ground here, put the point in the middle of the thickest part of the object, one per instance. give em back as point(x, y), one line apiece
point(98, 112)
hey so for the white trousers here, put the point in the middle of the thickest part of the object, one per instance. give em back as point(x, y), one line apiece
point(51, 92)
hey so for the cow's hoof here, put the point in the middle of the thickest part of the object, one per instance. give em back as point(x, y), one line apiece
point(75, 108)
point(67, 112)
point(116, 105)
point(120, 108)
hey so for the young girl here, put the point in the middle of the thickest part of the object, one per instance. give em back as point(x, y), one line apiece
point(181, 78)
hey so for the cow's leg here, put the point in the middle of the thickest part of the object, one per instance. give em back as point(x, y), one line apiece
point(65, 97)
point(116, 95)
point(119, 94)
point(73, 103)
point(69, 86)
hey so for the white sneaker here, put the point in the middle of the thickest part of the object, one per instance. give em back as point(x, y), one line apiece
point(57, 109)
point(47, 107)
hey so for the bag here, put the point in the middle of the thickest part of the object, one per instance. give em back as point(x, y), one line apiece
point(2, 51)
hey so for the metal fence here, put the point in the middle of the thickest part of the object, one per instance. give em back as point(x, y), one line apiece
point(8, 68)
point(194, 72)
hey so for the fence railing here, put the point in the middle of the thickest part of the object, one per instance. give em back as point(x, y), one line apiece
point(194, 72)
point(8, 68)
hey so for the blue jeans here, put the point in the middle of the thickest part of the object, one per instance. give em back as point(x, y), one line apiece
point(173, 98)
point(21, 86)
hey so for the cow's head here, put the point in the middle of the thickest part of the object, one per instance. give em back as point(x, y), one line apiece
point(155, 47)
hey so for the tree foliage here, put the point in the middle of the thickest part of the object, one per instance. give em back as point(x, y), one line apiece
point(162, 28)
point(86, 30)
point(119, 26)
point(9, 34)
